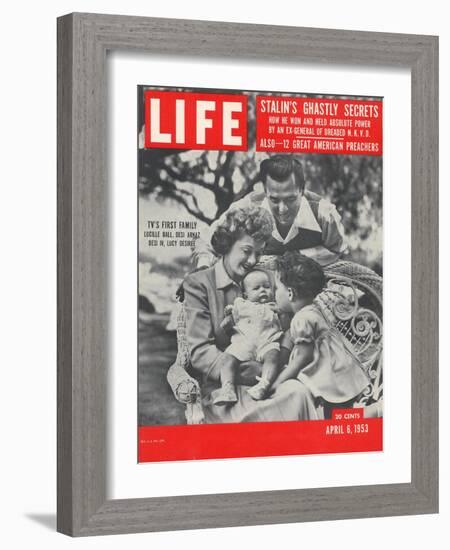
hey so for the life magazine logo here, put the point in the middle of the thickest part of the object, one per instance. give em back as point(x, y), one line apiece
point(184, 120)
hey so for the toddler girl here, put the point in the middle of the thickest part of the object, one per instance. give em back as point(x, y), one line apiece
point(321, 358)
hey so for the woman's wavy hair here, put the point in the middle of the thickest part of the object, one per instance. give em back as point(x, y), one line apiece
point(253, 221)
point(302, 274)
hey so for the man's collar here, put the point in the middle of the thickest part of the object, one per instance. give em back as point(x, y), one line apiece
point(223, 280)
point(305, 218)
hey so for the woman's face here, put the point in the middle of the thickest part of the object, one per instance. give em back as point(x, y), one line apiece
point(242, 257)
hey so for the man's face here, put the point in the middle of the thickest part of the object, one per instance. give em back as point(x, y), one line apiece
point(284, 199)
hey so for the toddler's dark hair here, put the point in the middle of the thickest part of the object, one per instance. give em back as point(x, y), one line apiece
point(303, 275)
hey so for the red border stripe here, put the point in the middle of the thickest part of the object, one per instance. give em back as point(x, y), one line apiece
point(206, 441)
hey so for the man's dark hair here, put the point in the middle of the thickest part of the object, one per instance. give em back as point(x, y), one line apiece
point(280, 167)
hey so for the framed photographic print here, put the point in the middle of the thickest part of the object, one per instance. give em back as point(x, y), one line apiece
point(247, 279)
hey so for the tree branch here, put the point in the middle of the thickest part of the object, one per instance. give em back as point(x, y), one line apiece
point(181, 177)
point(199, 215)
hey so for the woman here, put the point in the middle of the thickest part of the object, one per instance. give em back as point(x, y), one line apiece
point(238, 241)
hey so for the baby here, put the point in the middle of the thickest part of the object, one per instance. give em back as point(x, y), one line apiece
point(256, 335)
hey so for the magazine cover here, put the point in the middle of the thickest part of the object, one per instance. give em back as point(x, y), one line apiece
point(260, 273)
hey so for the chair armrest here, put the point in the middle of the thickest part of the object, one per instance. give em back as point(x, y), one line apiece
point(185, 388)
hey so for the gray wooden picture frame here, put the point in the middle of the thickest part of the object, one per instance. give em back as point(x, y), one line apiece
point(83, 42)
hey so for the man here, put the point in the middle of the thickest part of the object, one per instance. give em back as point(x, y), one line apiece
point(303, 220)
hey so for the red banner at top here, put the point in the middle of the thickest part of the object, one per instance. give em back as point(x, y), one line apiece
point(310, 125)
point(186, 120)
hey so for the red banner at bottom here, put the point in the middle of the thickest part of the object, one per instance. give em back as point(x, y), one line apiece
point(205, 441)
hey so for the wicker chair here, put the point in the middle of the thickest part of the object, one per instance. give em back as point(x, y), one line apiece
point(351, 302)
